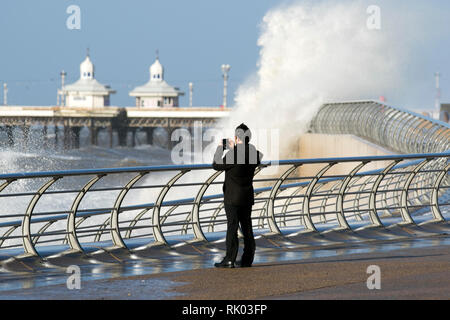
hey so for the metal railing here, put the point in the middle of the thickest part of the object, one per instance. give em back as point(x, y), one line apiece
point(126, 207)
point(393, 128)
point(160, 205)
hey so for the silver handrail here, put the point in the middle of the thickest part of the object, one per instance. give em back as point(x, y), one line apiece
point(404, 186)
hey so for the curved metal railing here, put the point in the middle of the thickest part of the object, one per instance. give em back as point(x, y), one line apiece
point(393, 128)
point(145, 206)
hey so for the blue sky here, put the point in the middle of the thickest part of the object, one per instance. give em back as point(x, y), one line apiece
point(194, 39)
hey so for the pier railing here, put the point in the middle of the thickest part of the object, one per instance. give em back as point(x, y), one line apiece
point(146, 206)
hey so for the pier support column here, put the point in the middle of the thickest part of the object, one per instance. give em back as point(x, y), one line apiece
point(75, 137)
point(110, 134)
point(149, 133)
point(122, 133)
point(67, 136)
point(56, 136)
point(44, 137)
point(94, 135)
point(170, 143)
point(120, 123)
point(133, 137)
point(10, 135)
point(25, 134)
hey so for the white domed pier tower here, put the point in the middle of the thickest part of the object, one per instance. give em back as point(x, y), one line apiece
point(87, 91)
point(156, 92)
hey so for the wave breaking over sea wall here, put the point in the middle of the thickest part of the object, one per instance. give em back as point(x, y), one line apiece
point(315, 52)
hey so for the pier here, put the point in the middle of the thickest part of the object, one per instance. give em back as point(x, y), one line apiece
point(120, 121)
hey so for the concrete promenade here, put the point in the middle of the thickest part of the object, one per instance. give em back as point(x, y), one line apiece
point(405, 274)
point(409, 273)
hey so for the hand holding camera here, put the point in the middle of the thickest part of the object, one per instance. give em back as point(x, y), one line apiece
point(227, 144)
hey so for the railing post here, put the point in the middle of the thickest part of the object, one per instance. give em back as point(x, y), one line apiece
point(271, 201)
point(287, 203)
point(28, 245)
point(340, 200)
point(435, 196)
point(195, 212)
point(71, 227)
point(404, 195)
point(6, 234)
point(114, 219)
point(306, 203)
point(157, 231)
point(214, 217)
point(376, 222)
point(6, 183)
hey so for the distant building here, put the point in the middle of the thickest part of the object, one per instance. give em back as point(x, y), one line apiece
point(87, 91)
point(156, 92)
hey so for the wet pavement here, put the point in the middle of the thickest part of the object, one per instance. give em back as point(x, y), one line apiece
point(147, 273)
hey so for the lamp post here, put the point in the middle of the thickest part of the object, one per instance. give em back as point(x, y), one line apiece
point(437, 103)
point(191, 89)
point(225, 69)
point(63, 95)
point(5, 94)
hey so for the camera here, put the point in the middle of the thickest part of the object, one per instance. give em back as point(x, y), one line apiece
point(225, 144)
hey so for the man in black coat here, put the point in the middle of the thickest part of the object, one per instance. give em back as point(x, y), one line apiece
point(239, 165)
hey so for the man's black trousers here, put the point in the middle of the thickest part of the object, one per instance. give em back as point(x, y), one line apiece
point(239, 215)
